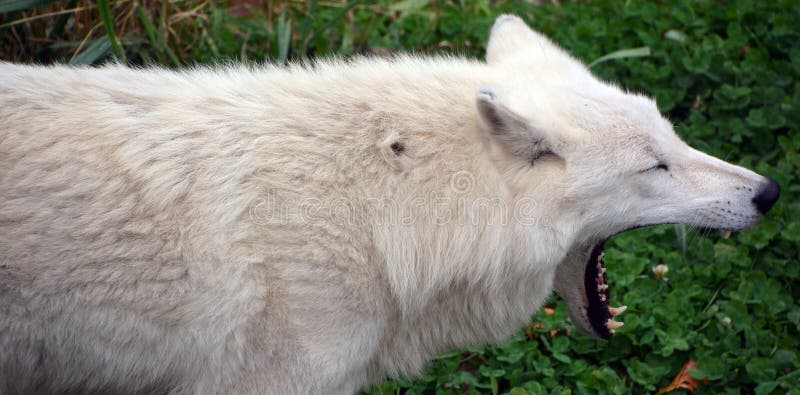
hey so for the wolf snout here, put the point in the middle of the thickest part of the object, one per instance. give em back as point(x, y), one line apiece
point(767, 196)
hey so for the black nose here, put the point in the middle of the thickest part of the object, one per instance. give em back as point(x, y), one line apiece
point(767, 196)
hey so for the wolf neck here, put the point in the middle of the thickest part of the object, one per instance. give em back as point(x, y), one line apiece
point(483, 257)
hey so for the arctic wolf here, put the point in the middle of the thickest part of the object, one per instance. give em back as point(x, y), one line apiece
point(313, 229)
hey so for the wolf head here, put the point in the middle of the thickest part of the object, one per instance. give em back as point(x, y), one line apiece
point(610, 157)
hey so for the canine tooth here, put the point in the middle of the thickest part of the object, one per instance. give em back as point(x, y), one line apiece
point(726, 235)
point(615, 311)
point(602, 298)
point(602, 287)
point(611, 324)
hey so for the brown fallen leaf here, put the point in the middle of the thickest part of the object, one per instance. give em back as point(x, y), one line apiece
point(683, 380)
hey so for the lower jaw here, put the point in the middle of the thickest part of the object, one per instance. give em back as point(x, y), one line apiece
point(599, 314)
point(595, 285)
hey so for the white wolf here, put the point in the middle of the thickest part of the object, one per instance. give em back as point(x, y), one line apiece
point(313, 229)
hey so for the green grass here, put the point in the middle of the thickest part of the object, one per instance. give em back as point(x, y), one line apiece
point(725, 72)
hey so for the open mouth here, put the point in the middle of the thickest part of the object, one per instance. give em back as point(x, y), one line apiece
point(581, 281)
point(599, 312)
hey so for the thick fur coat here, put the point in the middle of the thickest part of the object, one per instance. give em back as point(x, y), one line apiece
point(314, 228)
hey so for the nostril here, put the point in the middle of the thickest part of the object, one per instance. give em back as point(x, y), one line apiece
point(767, 196)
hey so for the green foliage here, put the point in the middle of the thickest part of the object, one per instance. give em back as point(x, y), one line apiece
point(16, 5)
point(104, 9)
point(726, 73)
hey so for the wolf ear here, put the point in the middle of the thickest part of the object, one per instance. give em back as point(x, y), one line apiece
point(511, 38)
point(515, 133)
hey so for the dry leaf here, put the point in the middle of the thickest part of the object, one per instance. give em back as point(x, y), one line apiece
point(683, 380)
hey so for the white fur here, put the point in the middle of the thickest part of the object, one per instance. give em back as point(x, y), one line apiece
point(253, 230)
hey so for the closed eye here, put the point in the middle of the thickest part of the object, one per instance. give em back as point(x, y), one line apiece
point(658, 166)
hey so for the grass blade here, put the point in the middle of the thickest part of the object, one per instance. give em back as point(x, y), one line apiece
point(680, 232)
point(638, 52)
point(104, 9)
point(94, 51)
point(17, 5)
point(152, 33)
point(284, 37)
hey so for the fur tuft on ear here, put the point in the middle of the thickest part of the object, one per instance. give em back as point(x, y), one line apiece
point(509, 35)
point(513, 131)
point(512, 39)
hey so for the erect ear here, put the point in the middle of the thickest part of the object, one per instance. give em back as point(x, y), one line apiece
point(516, 133)
point(511, 38)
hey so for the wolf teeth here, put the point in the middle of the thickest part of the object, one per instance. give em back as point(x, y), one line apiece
point(602, 287)
point(615, 311)
point(611, 324)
